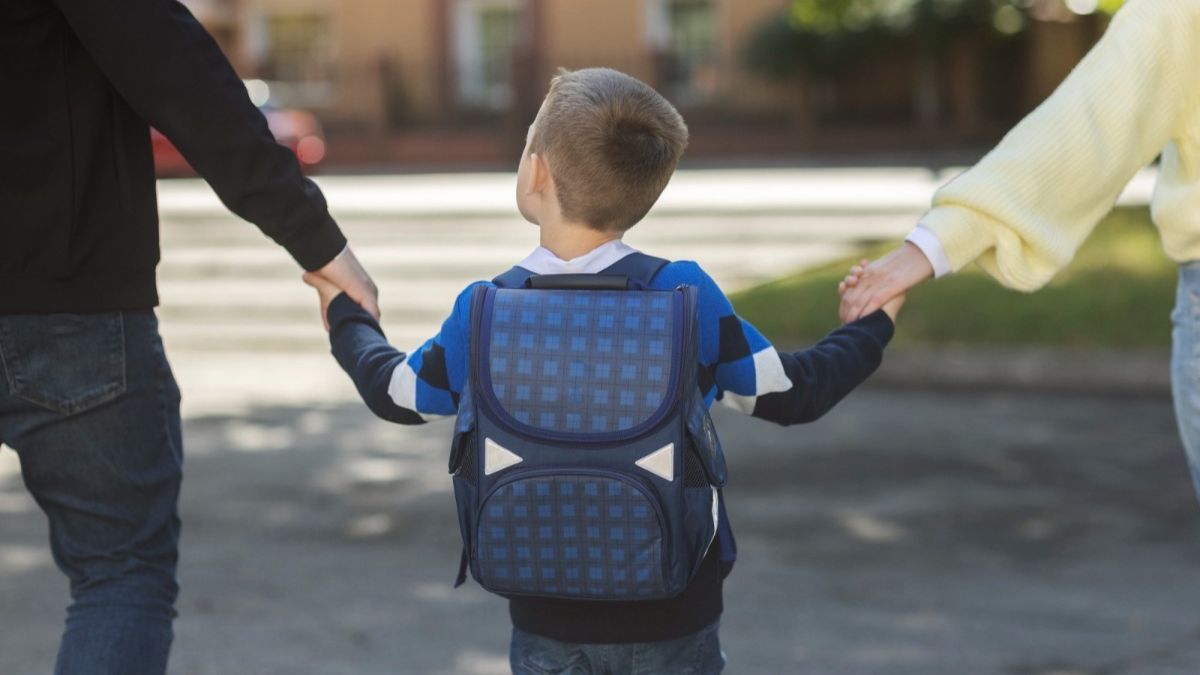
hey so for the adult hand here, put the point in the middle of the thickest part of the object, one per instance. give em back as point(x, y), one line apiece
point(891, 276)
point(348, 274)
point(326, 292)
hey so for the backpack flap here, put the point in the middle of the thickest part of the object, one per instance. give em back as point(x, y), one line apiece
point(579, 365)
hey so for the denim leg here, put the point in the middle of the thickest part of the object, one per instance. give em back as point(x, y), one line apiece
point(696, 654)
point(531, 654)
point(1185, 364)
point(93, 412)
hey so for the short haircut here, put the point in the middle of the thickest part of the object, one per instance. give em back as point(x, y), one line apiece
point(612, 143)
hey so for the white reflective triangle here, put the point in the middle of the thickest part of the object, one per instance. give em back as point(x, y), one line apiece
point(496, 457)
point(661, 462)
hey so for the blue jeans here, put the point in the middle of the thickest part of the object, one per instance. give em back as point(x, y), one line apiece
point(89, 404)
point(696, 654)
point(1185, 364)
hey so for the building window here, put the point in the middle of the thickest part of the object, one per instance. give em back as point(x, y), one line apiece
point(486, 34)
point(298, 47)
point(682, 33)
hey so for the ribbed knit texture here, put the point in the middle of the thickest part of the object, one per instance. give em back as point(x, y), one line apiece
point(1025, 209)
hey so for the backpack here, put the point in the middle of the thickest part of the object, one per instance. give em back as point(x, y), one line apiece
point(584, 461)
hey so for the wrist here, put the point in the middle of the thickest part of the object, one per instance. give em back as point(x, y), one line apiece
point(931, 250)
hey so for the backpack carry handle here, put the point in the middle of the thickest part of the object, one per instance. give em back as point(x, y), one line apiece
point(579, 282)
point(636, 267)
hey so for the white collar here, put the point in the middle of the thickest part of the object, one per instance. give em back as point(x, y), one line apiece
point(542, 261)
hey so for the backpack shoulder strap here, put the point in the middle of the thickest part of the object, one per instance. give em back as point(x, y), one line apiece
point(637, 266)
point(514, 278)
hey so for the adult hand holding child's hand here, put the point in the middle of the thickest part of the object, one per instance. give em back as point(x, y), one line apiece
point(853, 281)
point(326, 291)
point(346, 274)
point(877, 283)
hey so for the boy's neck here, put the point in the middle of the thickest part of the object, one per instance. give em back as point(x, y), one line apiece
point(571, 240)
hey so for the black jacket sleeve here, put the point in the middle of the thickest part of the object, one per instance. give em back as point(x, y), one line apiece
point(362, 350)
point(825, 373)
point(169, 70)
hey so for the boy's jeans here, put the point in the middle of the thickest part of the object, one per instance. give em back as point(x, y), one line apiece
point(90, 406)
point(1185, 364)
point(697, 654)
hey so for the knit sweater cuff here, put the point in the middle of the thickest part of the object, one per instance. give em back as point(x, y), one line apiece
point(962, 234)
point(343, 310)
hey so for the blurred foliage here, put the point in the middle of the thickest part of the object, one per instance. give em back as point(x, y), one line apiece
point(825, 37)
point(1118, 292)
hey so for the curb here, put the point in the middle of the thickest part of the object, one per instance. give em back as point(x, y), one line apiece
point(1048, 370)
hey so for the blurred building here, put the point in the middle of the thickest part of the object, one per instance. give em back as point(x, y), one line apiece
point(457, 80)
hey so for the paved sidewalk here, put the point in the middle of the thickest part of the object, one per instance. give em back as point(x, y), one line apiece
point(911, 532)
point(905, 534)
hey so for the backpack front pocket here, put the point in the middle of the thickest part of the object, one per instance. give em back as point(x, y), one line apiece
point(574, 533)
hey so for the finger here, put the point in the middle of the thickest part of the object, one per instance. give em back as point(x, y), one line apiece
point(858, 304)
point(847, 303)
point(851, 303)
point(320, 283)
point(842, 288)
point(844, 312)
point(371, 306)
point(874, 304)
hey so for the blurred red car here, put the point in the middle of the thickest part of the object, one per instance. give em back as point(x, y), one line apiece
point(297, 129)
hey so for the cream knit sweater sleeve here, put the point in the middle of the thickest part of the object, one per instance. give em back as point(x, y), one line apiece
point(1026, 207)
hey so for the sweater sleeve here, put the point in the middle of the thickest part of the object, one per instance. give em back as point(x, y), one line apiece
point(740, 367)
point(406, 388)
point(171, 72)
point(1027, 206)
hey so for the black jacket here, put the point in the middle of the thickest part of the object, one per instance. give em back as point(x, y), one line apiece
point(80, 83)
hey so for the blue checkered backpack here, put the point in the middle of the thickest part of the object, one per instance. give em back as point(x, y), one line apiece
point(585, 463)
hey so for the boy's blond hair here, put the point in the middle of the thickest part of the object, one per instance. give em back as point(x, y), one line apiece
point(611, 142)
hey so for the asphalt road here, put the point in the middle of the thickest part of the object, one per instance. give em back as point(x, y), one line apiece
point(905, 533)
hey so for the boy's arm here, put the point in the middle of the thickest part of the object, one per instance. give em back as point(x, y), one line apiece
point(750, 375)
point(403, 388)
point(825, 373)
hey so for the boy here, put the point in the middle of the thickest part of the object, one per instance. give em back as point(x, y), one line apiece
point(597, 157)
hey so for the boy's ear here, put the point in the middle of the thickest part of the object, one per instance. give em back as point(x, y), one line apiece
point(539, 173)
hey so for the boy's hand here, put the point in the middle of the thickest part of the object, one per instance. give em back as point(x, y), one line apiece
point(891, 307)
point(326, 291)
point(348, 274)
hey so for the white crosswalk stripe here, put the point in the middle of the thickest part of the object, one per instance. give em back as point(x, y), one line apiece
point(241, 328)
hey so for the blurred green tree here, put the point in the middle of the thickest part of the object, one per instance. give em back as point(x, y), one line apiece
point(825, 37)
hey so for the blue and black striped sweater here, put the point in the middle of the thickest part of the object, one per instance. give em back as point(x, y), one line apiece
point(737, 366)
